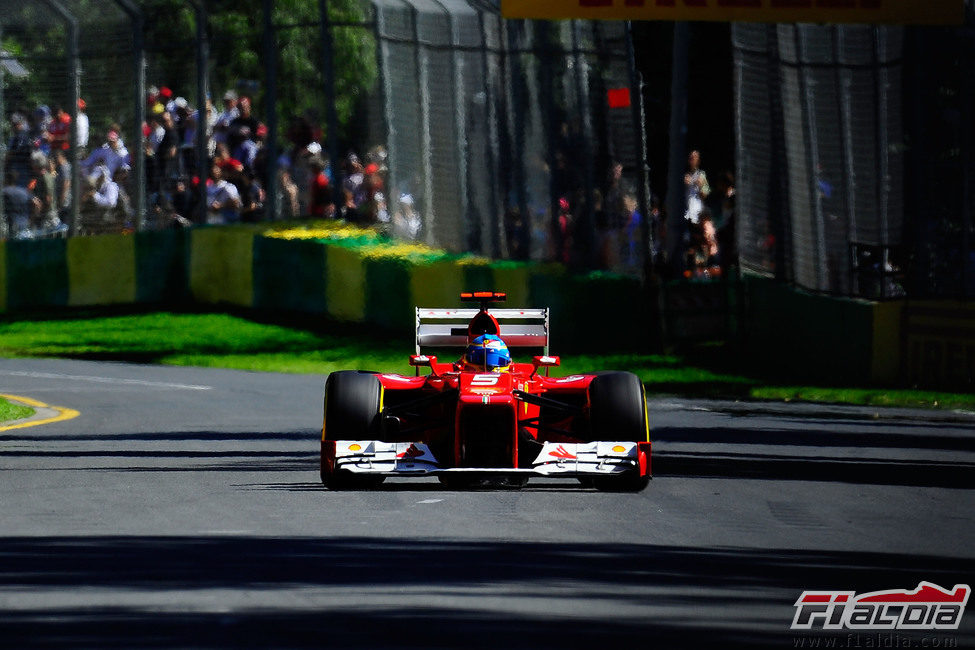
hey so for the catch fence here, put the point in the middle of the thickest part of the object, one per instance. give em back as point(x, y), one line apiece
point(475, 134)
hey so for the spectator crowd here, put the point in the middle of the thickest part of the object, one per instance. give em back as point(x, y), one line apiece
point(233, 187)
point(606, 231)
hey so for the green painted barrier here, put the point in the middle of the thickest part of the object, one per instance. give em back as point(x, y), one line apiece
point(388, 293)
point(290, 275)
point(3, 277)
point(827, 337)
point(37, 274)
point(479, 277)
point(101, 270)
point(161, 266)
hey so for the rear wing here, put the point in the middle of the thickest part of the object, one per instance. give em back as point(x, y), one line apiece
point(520, 328)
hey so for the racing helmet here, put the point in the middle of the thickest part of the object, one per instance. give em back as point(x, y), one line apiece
point(488, 351)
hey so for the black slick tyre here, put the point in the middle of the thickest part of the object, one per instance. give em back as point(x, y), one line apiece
point(618, 411)
point(351, 406)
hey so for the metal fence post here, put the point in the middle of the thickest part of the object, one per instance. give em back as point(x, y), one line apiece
point(331, 115)
point(3, 147)
point(202, 60)
point(676, 225)
point(494, 225)
point(584, 101)
point(271, 106)
point(74, 66)
point(139, 72)
point(643, 174)
point(807, 93)
point(516, 99)
point(392, 148)
point(423, 97)
point(846, 133)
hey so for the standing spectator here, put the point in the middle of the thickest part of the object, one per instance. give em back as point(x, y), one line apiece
point(38, 133)
point(287, 189)
point(615, 215)
point(63, 192)
point(59, 130)
point(632, 257)
point(696, 187)
point(245, 117)
point(45, 189)
point(242, 135)
point(320, 204)
point(19, 206)
point(168, 160)
point(19, 149)
point(82, 128)
point(564, 227)
point(223, 199)
point(184, 202)
point(221, 125)
point(710, 243)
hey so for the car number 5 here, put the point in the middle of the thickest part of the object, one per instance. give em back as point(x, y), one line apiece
point(484, 380)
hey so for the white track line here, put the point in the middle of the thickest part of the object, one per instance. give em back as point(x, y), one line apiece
point(103, 380)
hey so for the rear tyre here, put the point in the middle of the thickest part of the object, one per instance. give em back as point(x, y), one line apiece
point(351, 408)
point(618, 411)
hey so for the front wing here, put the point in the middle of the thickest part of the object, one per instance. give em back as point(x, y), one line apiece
point(377, 458)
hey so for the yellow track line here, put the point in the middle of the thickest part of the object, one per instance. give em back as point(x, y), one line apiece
point(63, 413)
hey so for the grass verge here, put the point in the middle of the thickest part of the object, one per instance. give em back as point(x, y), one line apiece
point(228, 341)
point(10, 412)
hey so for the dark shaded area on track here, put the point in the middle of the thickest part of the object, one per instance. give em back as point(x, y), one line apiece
point(812, 468)
point(160, 563)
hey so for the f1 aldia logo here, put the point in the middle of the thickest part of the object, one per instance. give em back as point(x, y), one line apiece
point(929, 607)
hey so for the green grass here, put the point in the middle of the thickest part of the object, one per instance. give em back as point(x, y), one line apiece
point(228, 341)
point(10, 412)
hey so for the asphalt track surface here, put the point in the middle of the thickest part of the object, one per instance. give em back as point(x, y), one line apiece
point(182, 508)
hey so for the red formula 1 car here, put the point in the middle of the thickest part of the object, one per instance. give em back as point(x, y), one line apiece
point(484, 420)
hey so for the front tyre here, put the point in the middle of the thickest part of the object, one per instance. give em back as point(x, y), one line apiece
point(618, 408)
point(618, 411)
point(351, 407)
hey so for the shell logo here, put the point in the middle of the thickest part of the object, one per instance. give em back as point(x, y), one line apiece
point(619, 449)
point(355, 447)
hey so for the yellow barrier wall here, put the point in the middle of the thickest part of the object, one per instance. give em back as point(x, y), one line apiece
point(513, 281)
point(886, 363)
point(939, 344)
point(437, 285)
point(221, 266)
point(345, 284)
point(101, 270)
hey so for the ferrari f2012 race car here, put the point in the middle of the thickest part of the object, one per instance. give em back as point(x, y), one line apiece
point(484, 420)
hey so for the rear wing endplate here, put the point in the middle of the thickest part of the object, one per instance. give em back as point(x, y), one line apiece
point(520, 328)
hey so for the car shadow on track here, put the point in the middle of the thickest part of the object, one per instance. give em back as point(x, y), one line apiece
point(872, 454)
point(231, 592)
